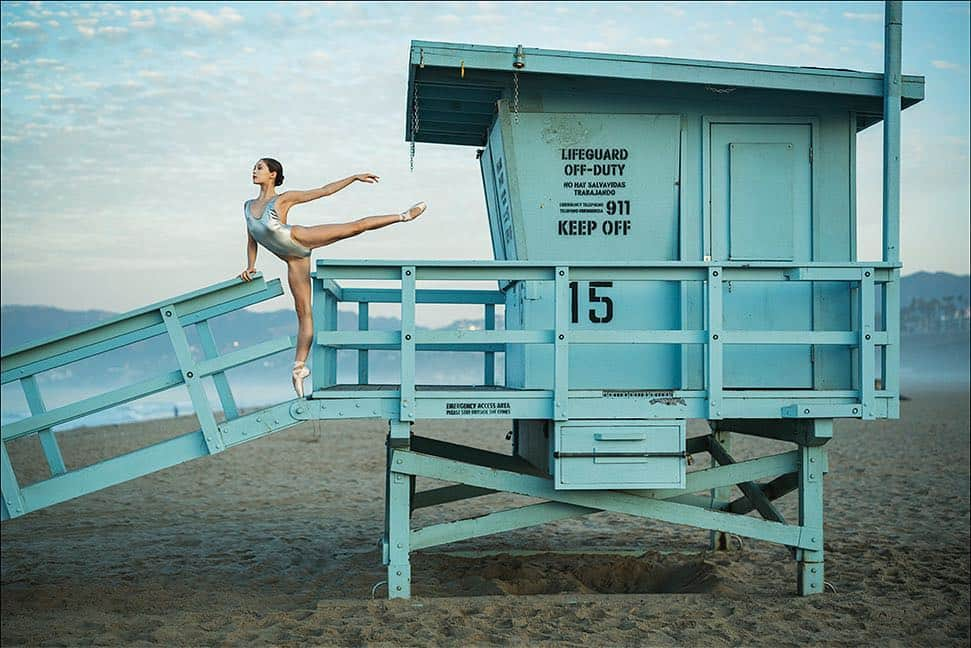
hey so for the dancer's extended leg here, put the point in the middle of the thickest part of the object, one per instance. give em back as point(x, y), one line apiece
point(320, 235)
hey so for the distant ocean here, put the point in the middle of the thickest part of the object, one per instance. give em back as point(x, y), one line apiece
point(159, 406)
point(175, 402)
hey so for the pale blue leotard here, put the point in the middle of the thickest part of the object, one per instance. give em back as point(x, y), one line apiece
point(268, 231)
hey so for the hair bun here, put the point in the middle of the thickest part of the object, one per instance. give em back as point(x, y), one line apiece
point(274, 166)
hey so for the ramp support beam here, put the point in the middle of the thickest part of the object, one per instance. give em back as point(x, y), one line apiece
point(200, 403)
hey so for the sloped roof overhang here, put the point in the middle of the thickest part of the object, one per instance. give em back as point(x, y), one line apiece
point(458, 84)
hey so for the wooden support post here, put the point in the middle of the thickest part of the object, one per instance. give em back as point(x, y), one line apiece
point(48, 442)
point(397, 519)
point(211, 352)
point(891, 352)
point(561, 347)
point(893, 27)
point(362, 354)
point(408, 300)
point(716, 375)
point(328, 312)
point(489, 363)
point(867, 350)
point(718, 540)
point(810, 572)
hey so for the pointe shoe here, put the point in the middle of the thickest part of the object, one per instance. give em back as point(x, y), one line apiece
point(300, 372)
point(407, 215)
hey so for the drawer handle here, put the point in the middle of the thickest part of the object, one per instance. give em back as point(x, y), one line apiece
point(572, 455)
point(620, 436)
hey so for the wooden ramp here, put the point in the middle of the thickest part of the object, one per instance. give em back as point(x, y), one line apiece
point(168, 318)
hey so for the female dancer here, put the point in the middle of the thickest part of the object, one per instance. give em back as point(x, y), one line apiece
point(266, 224)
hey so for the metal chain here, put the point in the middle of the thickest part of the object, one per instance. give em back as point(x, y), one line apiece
point(515, 100)
point(414, 127)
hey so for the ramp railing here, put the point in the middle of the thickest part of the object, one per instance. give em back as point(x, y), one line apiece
point(713, 402)
point(169, 318)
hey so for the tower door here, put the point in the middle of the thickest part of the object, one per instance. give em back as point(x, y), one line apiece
point(761, 210)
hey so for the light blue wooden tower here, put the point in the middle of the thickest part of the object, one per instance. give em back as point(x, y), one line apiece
point(673, 240)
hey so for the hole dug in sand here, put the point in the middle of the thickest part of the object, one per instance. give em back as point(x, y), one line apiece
point(550, 573)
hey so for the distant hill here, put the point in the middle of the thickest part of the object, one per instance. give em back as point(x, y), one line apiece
point(935, 285)
point(21, 324)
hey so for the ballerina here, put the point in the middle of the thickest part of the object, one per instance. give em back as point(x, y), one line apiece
point(266, 224)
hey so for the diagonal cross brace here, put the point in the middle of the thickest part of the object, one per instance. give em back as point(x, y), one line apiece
point(510, 519)
point(413, 463)
point(750, 489)
point(773, 490)
point(496, 522)
point(193, 381)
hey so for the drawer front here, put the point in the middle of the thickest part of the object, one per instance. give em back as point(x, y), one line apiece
point(619, 454)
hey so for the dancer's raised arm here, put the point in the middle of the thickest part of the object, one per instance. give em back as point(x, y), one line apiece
point(297, 197)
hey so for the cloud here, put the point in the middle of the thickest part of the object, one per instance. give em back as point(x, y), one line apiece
point(945, 65)
point(226, 16)
point(142, 18)
point(656, 42)
point(868, 17)
point(488, 19)
point(812, 27)
point(24, 25)
point(802, 21)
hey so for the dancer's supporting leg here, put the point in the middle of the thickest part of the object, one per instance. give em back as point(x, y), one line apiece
point(298, 274)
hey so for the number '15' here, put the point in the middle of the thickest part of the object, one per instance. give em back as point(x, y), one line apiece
point(594, 299)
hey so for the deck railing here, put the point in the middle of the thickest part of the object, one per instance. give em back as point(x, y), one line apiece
point(863, 280)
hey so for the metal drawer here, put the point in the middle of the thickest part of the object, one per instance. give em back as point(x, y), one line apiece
point(619, 454)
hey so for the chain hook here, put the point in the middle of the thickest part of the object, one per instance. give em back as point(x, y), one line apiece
point(515, 100)
point(414, 122)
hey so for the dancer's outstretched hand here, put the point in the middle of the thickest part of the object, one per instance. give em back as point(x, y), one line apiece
point(369, 178)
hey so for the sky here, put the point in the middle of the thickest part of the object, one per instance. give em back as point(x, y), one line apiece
point(128, 130)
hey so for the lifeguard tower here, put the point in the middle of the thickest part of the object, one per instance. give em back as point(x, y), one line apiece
point(673, 240)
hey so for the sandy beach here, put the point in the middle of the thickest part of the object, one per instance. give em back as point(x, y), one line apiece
point(275, 542)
